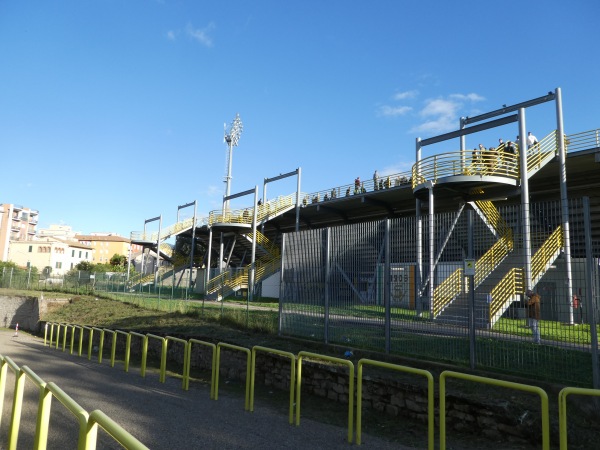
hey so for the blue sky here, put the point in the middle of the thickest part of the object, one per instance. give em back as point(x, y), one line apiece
point(112, 112)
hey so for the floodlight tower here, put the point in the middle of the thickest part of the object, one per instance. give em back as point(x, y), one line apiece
point(231, 139)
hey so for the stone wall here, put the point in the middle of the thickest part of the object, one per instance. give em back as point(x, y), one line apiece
point(392, 394)
point(25, 310)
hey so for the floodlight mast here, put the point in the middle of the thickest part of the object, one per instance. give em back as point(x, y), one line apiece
point(231, 139)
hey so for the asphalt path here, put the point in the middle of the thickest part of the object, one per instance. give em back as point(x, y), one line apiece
point(160, 415)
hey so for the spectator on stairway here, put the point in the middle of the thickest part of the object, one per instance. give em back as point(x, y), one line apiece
point(531, 140)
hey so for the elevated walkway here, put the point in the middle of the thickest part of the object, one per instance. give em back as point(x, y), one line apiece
point(478, 174)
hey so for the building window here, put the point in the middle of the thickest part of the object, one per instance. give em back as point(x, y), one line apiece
point(59, 265)
point(72, 253)
point(79, 253)
point(86, 255)
point(30, 248)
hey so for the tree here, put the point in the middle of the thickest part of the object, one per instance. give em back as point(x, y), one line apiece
point(84, 266)
point(119, 261)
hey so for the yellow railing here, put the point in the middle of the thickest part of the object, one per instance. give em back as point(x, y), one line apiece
point(509, 286)
point(512, 283)
point(384, 365)
point(166, 249)
point(493, 382)
point(88, 423)
point(492, 258)
point(544, 150)
point(265, 243)
point(494, 218)
point(330, 359)
point(446, 291)
point(583, 141)
point(245, 215)
point(165, 232)
point(496, 162)
point(295, 380)
point(546, 252)
point(452, 286)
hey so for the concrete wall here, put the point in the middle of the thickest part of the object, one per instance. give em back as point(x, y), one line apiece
point(25, 310)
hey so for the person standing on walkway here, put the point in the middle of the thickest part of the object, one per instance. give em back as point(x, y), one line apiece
point(531, 140)
point(533, 313)
point(375, 180)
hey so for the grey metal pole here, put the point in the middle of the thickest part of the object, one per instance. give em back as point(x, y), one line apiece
point(221, 253)
point(208, 262)
point(128, 262)
point(463, 146)
point(525, 199)
point(564, 201)
point(281, 285)
point(193, 247)
point(472, 348)
point(431, 247)
point(228, 181)
point(419, 240)
point(253, 258)
point(386, 289)
point(327, 236)
point(298, 199)
point(591, 292)
point(157, 256)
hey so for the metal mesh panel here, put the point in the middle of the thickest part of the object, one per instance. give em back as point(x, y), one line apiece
point(348, 285)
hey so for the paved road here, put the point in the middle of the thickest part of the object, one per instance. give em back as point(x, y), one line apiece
point(161, 415)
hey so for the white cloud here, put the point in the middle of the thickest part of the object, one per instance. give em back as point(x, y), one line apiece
point(405, 95)
point(171, 35)
point(393, 111)
point(201, 34)
point(439, 107)
point(468, 97)
point(441, 114)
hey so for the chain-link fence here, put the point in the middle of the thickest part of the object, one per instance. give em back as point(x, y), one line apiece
point(452, 288)
point(84, 282)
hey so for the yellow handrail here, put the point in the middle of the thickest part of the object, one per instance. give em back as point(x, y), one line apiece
point(446, 291)
point(545, 253)
point(509, 286)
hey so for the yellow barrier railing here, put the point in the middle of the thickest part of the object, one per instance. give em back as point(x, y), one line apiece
point(87, 433)
point(331, 359)
point(144, 351)
point(221, 345)
point(295, 377)
point(493, 382)
point(399, 368)
point(185, 357)
point(127, 349)
point(163, 354)
point(213, 347)
point(562, 410)
point(258, 348)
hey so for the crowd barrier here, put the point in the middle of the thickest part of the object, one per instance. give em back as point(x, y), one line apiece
point(88, 423)
point(296, 379)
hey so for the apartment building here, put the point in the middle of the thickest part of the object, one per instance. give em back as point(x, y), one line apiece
point(49, 255)
point(105, 245)
point(18, 224)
